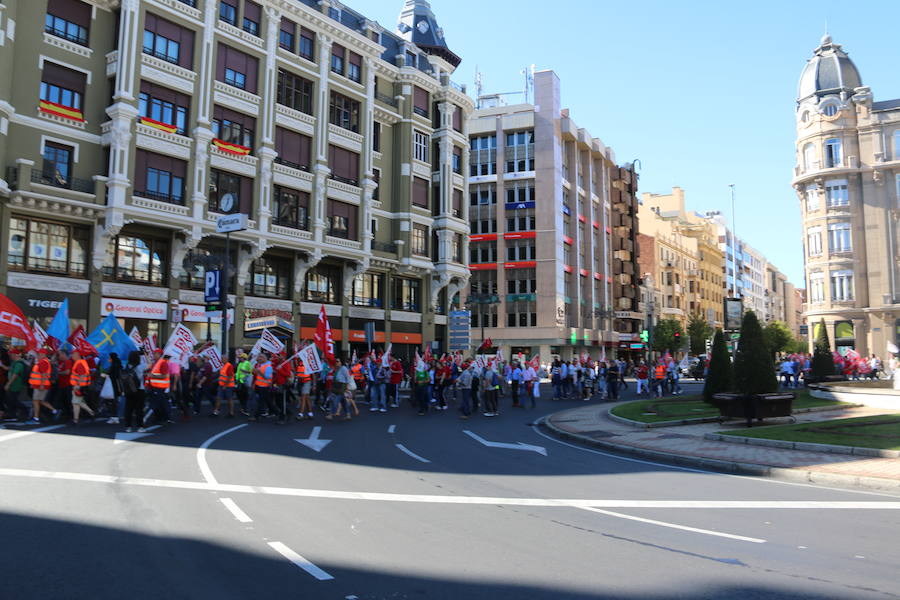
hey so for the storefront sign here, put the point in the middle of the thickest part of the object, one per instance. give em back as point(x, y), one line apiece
point(134, 309)
point(37, 303)
point(196, 313)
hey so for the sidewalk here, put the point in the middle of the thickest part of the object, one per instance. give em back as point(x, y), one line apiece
point(685, 445)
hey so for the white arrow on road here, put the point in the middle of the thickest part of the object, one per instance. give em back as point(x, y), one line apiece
point(313, 442)
point(130, 437)
point(516, 446)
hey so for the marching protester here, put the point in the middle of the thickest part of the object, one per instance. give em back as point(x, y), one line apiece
point(39, 381)
point(81, 382)
point(227, 384)
point(132, 380)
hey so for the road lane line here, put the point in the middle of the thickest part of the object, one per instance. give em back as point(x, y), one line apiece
point(438, 499)
point(201, 454)
point(300, 561)
point(235, 510)
point(392, 429)
point(409, 452)
point(19, 434)
point(730, 536)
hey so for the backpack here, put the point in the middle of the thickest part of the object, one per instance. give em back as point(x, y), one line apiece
point(129, 381)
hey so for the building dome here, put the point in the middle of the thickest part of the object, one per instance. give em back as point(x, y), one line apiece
point(829, 71)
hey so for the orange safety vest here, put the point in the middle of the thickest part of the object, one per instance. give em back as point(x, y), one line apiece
point(660, 372)
point(81, 374)
point(356, 371)
point(301, 373)
point(259, 377)
point(40, 375)
point(226, 375)
point(158, 379)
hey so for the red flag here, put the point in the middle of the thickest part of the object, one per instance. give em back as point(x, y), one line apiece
point(487, 343)
point(427, 357)
point(79, 340)
point(322, 338)
point(13, 323)
point(536, 362)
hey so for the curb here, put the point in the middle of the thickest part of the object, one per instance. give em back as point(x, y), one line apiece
point(805, 446)
point(701, 420)
point(729, 467)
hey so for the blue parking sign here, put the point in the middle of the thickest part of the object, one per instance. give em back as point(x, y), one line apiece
point(212, 290)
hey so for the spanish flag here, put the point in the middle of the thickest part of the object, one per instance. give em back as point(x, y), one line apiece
point(231, 148)
point(158, 125)
point(59, 110)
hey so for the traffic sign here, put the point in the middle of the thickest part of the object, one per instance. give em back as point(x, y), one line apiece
point(229, 223)
point(459, 325)
point(212, 289)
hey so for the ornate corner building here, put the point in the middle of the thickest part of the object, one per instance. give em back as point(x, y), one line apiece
point(127, 128)
point(847, 179)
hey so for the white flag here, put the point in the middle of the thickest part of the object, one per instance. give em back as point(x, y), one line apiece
point(213, 357)
point(40, 336)
point(310, 358)
point(386, 357)
point(892, 348)
point(180, 345)
point(685, 362)
point(499, 356)
point(270, 343)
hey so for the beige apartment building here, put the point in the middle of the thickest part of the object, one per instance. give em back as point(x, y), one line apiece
point(847, 179)
point(544, 198)
point(128, 128)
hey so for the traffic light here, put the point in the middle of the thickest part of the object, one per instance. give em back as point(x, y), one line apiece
point(678, 339)
point(645, 336)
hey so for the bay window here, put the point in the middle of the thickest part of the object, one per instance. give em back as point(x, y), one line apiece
point(137, 259)
point(368, 290)
point(291, 208)
point(270, 276)
point(407, 294)
point(42, 246)
point(323, 285)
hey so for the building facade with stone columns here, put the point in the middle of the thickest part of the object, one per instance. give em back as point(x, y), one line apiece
point(544, 197)
point(127, 128)
point(847, 179)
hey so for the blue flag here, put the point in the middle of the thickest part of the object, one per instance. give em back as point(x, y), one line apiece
point(109, 337)
point(59, 326)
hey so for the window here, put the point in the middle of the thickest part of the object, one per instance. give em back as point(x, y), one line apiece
point(809, 158)
point(830, 109)
point(236, 68)
point(841, 286)
point(484, 283)
point(291, 208)
point(483, 156)
point(240, 189)
point(421, 101)
point(812, 198)
point(36, 245)
point(159, 177)
point(520, 151)
point(376, 177)
point(483, 226)
point(522, 219)
point(457, 118)
point(457, 159)
point(307, 46)
point(521, 281)
point(208, 253)
point(293, 148)
point(252, 17)
point(482, 195)
point(344, 165)
point(233, 127)
point(839, 238)
point(342, 220)
point(323, 285)
point(832, 153)
point(270, 277)
point(228, 11)
point(836, 192)
point(816, 288)
point(457, 206)
point(410, 59)
point(57, 166)
point(64, 88)
point(295, 92)
point(406, 294)
point(519, 191)
point(164, 106)
point(518, 250)
point(419, 243)
point(354, 67)
point(814, 241)
point(344, 112)
point(420, 145)
point(137, 259)
point(68, 19)
point(897, 144)
point(521, 314)
point(167, 41)
point(376, 136)
point(482, 252)
point(287, 35)
point(337, 58)
point(456, 248)
point(368, 290)
point(420, 192)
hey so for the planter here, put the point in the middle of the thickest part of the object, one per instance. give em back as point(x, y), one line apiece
point(754, 406)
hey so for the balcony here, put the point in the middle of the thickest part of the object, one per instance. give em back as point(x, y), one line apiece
point(422, 112)
point(384, 247)
point(385, 99)
point(75, 184)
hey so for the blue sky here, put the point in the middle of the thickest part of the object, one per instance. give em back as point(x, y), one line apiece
point(701, 92)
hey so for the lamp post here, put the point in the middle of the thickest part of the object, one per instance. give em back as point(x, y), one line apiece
point(482, 301)
point(733, 245)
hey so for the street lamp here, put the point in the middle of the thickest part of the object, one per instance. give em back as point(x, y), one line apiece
point(733, 245)
point(481, 300)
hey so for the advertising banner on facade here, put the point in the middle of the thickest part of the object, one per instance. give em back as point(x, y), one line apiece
point(134, 309)
point(734, 310)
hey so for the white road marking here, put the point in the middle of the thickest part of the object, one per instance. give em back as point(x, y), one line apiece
point(201, 454)
point(392, 428)
point(675, 526)
point(300, 561)
point(123, 436)
point(235, 510)
point(516, 446)
point(19, 434)
point(409, 452)
point(438, 499)
point(313, 442)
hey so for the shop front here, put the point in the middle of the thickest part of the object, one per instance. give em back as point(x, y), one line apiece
point(41, 305)
point(193, 316)
point(148, 316)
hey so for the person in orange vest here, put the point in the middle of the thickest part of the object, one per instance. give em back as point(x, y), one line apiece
point(659, 378)
point(159, 380)
point(226, 388)
point(80, 379)
point(40, 383)
point(304, 384)
point(262, 389)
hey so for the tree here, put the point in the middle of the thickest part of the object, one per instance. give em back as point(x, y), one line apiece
point(698, 331)
point(823, 361)
point(754, 370)
point(778, 337)
point(664, 335)
point(720, 377)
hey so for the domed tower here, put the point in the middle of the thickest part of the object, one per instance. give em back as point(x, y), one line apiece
point(419, 26)
point(849, 230)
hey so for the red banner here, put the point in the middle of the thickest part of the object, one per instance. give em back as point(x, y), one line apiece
point(323, 339)
point(13, 323)
point(79, 340)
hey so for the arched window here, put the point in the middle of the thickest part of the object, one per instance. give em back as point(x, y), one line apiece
point(809, 162)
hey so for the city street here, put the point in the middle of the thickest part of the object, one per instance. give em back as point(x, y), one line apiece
point(400, 506)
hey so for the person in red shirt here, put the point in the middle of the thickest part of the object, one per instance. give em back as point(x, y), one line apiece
point(63, 384)
point(394, 381)
point(642, 373)
point(442, 378)
point(282, 376)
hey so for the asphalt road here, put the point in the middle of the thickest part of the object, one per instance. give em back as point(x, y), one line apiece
point(400, 506)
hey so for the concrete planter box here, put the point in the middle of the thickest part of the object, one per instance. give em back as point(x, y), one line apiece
point(755, 406)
